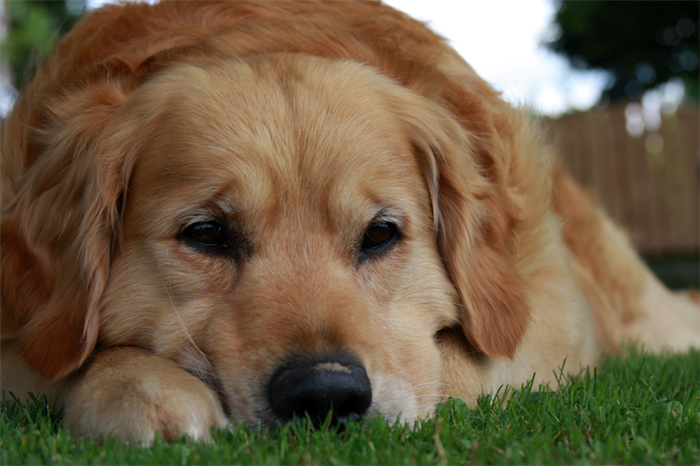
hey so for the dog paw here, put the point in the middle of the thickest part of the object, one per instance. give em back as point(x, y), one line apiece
point(133, 395)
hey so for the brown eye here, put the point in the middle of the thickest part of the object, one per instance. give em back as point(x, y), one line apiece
point(207, 235)
point(378, 238)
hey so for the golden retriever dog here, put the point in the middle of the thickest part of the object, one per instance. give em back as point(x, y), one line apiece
point(253, 212)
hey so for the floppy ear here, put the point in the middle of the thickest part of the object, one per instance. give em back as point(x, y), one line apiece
point(57, 231)
point(476, 233)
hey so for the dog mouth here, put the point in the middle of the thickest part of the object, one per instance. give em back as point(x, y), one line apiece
point(326, 390)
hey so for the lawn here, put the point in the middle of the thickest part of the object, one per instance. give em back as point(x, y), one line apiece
point(640, 410)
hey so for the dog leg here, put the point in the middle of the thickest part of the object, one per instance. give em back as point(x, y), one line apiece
point(132, 394)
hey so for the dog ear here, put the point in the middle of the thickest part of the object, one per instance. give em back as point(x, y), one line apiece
point(475, 227)
point(57, 232)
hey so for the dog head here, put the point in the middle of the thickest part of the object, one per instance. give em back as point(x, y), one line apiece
point(293, 228)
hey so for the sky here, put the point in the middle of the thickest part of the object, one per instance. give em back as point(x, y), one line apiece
point(502, 39)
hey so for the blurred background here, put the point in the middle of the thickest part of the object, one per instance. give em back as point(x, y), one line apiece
point(616, 83)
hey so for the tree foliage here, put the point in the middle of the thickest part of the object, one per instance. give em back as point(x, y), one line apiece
point(641, 44)
point(34, 27)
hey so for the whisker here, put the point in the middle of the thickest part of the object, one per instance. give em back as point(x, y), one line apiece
point(177, 313)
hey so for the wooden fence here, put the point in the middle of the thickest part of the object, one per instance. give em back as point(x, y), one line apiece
point(648, 184)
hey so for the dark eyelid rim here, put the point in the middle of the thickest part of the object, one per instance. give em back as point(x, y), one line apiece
point(239, 246)
point(389, 216)
point(202, 246)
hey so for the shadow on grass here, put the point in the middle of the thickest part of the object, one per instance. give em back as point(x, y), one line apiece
point(678, 272)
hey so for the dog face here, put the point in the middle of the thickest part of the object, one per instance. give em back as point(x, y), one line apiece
point(281, 217)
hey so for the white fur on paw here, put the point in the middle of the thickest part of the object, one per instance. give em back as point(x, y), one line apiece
point(169, 401)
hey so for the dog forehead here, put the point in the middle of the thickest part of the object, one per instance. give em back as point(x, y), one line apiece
point(279, 126)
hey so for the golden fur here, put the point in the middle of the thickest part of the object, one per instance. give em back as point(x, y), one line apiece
point(298, 125)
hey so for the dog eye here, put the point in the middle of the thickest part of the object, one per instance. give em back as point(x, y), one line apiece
point(378, 238)
point(207, 235)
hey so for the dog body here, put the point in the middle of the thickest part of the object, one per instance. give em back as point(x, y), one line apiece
point(229, 211)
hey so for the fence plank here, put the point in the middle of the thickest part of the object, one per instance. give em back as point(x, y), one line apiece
point(648, 184)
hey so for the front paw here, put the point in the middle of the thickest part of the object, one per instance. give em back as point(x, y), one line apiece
point(132, 394)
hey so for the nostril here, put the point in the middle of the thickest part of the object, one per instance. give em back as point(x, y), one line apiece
point(318, 388)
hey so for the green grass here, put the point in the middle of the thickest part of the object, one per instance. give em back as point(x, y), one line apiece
point(640, 410)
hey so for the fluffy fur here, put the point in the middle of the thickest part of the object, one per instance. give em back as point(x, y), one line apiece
point(297, 125)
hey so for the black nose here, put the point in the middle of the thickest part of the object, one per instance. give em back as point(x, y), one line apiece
point(319, 386)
